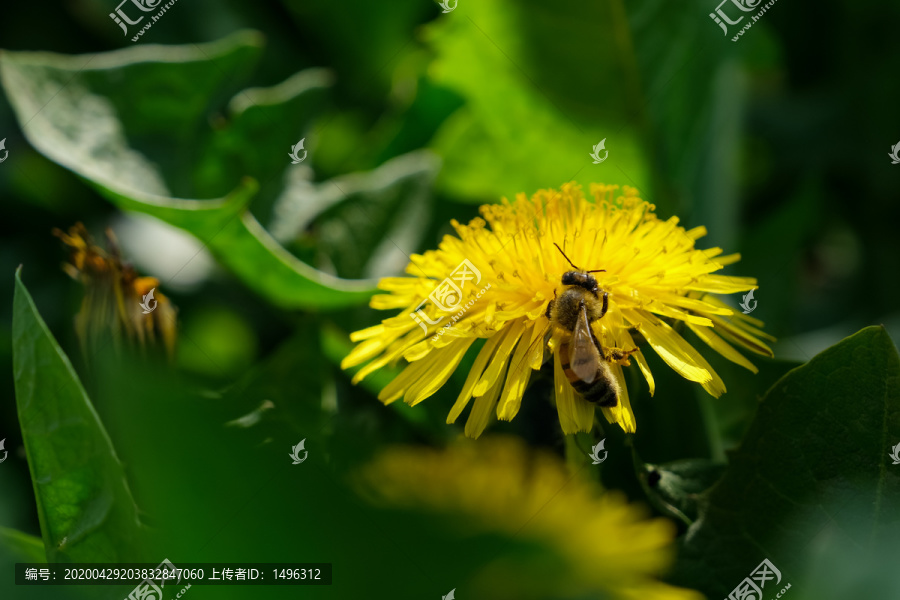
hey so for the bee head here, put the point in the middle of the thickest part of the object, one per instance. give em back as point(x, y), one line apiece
point(581, 279)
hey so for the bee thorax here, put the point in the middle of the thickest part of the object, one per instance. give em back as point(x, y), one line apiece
point(566, 308)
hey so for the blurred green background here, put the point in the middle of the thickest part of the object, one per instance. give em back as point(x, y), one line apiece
point(778, 144)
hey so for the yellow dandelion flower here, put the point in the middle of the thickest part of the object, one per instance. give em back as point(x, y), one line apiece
point(114, 293)
point(599, 542)
point(495, 280)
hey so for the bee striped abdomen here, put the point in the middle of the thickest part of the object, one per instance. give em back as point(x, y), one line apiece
point(603, 391)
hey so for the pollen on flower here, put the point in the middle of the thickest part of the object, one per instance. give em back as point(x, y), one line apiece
point(650, 275)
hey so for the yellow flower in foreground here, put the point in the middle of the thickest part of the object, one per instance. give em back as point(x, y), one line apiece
point(598, 542)
point(114, 293)
point(495, 284)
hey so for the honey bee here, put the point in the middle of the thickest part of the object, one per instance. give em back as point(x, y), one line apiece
point(584, 360)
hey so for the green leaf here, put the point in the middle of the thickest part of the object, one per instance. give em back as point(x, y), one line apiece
point(131, 122)
point(23, 547)
point(262, 125)
point(132, 119)
point(731, 414)
point(815, 458)
point(84, 506)
point(534, 106)
point(544, 82)
point(361, 219)
point(19, 547)
point(691, 100)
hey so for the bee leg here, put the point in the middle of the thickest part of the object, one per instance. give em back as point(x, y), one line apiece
point(605, 305)
point(617, 354)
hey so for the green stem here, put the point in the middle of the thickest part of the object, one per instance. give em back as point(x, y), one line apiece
point(576, 454)
point(713, 435)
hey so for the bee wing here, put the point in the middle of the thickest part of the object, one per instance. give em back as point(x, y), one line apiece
point(584, 357)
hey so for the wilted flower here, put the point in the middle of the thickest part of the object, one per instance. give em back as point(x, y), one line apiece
point(654, 276)
point(599, 542)
point(114, 294)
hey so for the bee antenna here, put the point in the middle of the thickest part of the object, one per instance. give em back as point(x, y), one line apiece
point(597, 271)
point(566, 257)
